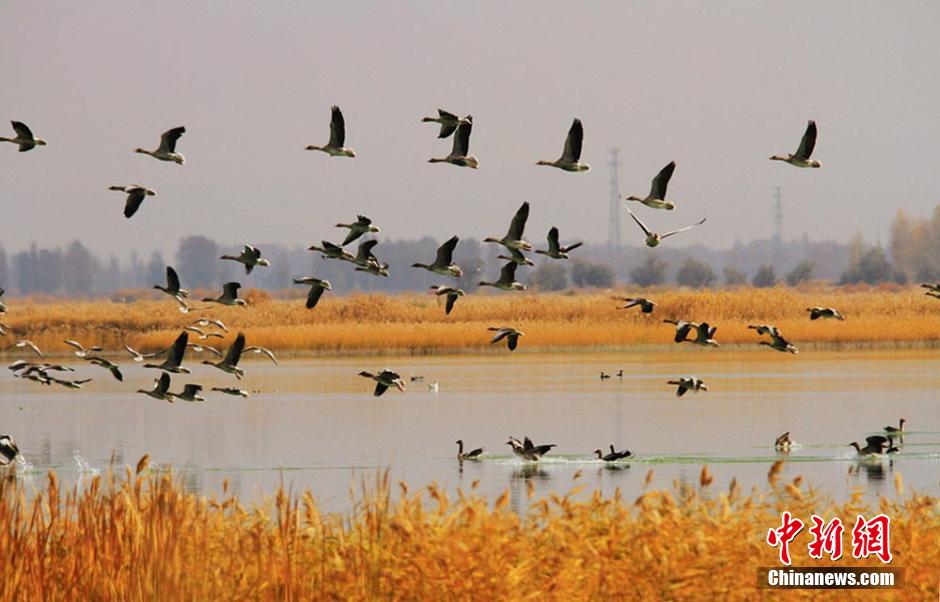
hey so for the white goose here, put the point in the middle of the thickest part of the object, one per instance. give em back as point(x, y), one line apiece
point(335, 147)
point(167, 149)
point(656, 199)
point(570, 159)
point(24, 137)
point(652, 238)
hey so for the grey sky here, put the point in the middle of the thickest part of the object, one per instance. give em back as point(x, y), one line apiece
point(717, 87)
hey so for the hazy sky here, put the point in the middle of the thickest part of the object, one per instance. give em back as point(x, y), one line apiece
point(717, 87)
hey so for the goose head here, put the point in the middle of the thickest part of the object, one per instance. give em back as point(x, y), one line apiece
point(669, 205)
point(39, 142)
point(815, 163)
point(472, 162)
point(179, 159)
point(263, 262)
point(142, 150)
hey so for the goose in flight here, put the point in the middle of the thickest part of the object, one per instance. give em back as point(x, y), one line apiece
point(107, 365)
point(656, 199)
point(234, 391)
point(317, 287)
point(875, 444)
point(200, 347)
point(80, 350)
point(263, 351)
point(250, 257)
point(331, 251)
point(507, 279)
point(473, 454)
point(364, 256)
point(444, 262)
point(779, 343)
point(26, 343)
point(898, 429)
point(652, 238)
point(802, 156)
point(555, 250)
point(206, 322)
point(172, 287)
point(933, 290)
point(527, 450)
point(705, 335)
point(230, 362)
point(516, 257)
point(383, 380)
point(688, 383)
point(375, 268)
point(135, 197)
point(229, 295)
point(190, 393)
point(505, 332)
point(161, 389)
point(139, 357)
point(764, 329)
point(334, 147)
point(70, 384)
point(613, 456)
point(8, 450)
point(174, 356)
point(24, 137)
point(167, 149)
point(449, 122)
point(783, 442)
point(362, 225)
point(460, 153)
point(570, 159)
point(824, 312)
point(646, 305)
point(513, 238)
point(452, 295)
point(202, 334)
point(683, 328)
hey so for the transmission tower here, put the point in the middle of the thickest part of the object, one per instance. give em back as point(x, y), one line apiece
point(778, 216)
point(613, 228)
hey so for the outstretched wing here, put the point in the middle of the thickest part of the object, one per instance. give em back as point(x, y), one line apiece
point(508, 272)
point(462, 139)
point(313, 297)
point(517, 226)
point(661, 181)
point(683, 229)
point(337, 128)
point(172, 279)
point(572, 152)
point(379, 389)
point(163, 384)
point(513, 342)
point(134, 200)
point(363, 221)
point(638, 222)
point(22, 130)
point(553, 240)
point(808, 143)
point(445, 253)
point(231, 289)
point(451, 299)
point(169, 138)
point(178, 350)
point(235, 351)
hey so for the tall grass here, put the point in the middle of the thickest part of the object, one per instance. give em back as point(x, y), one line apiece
point(416, 323)
point(141, 536)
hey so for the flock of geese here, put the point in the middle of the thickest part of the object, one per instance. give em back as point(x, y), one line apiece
point(365, 260)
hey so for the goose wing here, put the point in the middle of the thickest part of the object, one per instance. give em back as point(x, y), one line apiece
point(365, 249)
point(169, 138)
point(501, 333)
point(445, 253)
point(22, 130)
point(572, 152)
point(670, 233)
point(134, 199)
point(661, 181)
point(638, 222)
point(178, 350)
point(553, 246)
point(517, 226)
point(513, 341)
point(235, 351)
point(313, 297)
point(876, 440)
point(808, 142)
point(379, 389)
point(230, 290)
point(448, 122)
point(508, 272)
point(251, 252)
point(337, 128)
point(191, 390)
point(462, 139)
point(162, 384)
point(172, 279)
point(363, 221)
point(265, 351)
point(451, 299)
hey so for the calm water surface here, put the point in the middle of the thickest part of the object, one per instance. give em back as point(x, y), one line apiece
point(314, 424)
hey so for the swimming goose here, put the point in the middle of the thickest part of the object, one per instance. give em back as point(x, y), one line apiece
point(167, 149)
point(135, 196)
point(334, 147)
point(452, 295)
point(362, 225)
point(383, 380)
point(690, 383)
point(527, 451)
point(204, 322)
point(331, 251)
point(174, 356)
point(898, 429)
point(652, 238)
point(262, 350)
point(234, 391)
point(70, 384)
point(8, 450)
point(705, 335)
point(656, 199)
point(516, 257)
point(230, 362)
point(683, 328)
point(29, 344)
point(448, 121)
point(190, 393)
point(81, 351)
point(874, 444)
point(802, 156)
point(513, 238)
point(780, 343)
point(172, 287)
point(505, 332)
point(473, 454)
point(604, 375)
point(623, 454)
point(250, 257)
point(613, 456)
point(459, 154)
point(824, 312)
point(229, 295)
point(555, 250)
point(783, 442)
point(317, 287)
point(571, 155)
point(161, 389)
point(507, 279)
point(646, 305)
point(444, 262)
point(203, 335)
point(24, 137)
point(107, 365)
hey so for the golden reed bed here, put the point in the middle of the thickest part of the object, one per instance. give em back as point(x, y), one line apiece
point(142, 536)
point(415, 323)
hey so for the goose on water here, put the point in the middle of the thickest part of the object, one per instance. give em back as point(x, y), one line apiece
point(107, 365)
point(335, 147)
point(570, 159)
point(505, 332)
point(167, 149)
point(824, 312)
point(516, 257)
point(444, 261)
point(653, 238)
point(362, 225)
point(384, 380)
point(449, 122)
point(174, 356)
point(614, 455)
point(801, 158)
point(656, 199)
point(229, 295)
point(898, 429)
point(135, 196)
point(234, 391)
point(646, 305)
point(80, 350)
point(604, 375)
point(460, 152)
point(332, 251)
point(172, 287)
point(513, 238)
point(527, 450)
point(452, 294)
point(555, 250)
point(230, 362)
point(161, 389)
point(190, 393)
point(317, 287)
point(250, 257)
point(783, 442)
point(874, 444)
point(24, 137)
point(8, 450)
point(507, 279)
point(688, 383)
point(473, 454)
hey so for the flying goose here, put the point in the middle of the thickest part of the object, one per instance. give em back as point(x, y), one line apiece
point(444, 262)
point(81, 351)
point(613, 456)
point(688, 383)
point(646, 305)
point(513, 238)
point(460, 153)
point(262, 350)
point(24, 137)
point(824, 312)
point(174, 356)
point(570, 159)
point(139, 357)
point(200, 347)
point(434, 387)
point(204, 322)
point(683, 328)
point(874, 444)
point(135, 196)
point(652, 238)
point(334, 147)
point(331, 251)
point(362, 225)
point(230, 362)
point(448, 121)
point(8, 450)
point(317, 287)
point(31, 345)
point(107, 365)
point(528, 451)
point(229, 295)
point(932, 289)
point(516, 257)
point(452, 295)
point(202, 334)
point(507, 279)
point(70, 384)
point(249, 257)
point(780, 343)
point(364, 256)
point(656, 199)
point(555, 250)
point(161, 389)
point(764, 329)
point(783, 442)
point(473, 454)
point(190, 393)
point(505, 332)
point(234, 391)
point(704, 335)
point(167, 149)
point(898, 429)
point(385, 379)
point(802, 156)
point(375, 268)
point(172, 287)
